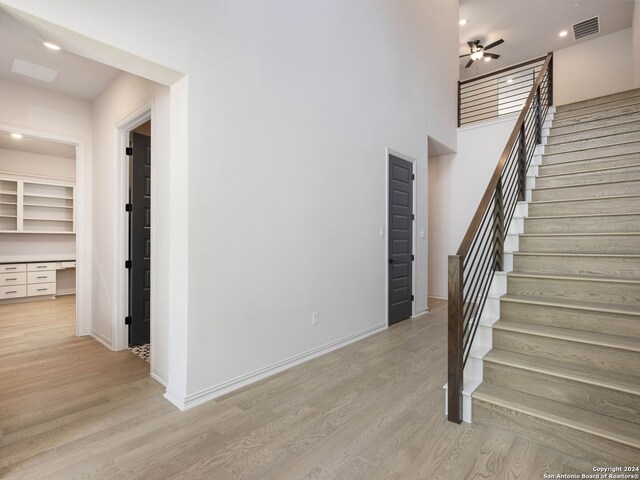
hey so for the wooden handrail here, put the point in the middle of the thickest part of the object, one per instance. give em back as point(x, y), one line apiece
point(493, 183)
point(502, 70)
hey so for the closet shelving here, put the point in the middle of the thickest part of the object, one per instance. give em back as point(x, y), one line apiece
point(36, 207)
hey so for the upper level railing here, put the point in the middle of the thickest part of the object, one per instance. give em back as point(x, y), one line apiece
point(472, 269)
point(496, 93)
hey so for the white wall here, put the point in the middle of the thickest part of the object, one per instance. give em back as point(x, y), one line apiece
point(28, 163)
point(126, 94)
point(291, 106)
point(635, 27)
point(456, 185)
point(599, 67)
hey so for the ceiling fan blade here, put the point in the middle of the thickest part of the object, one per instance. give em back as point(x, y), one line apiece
point(494, 44)
point(471, 44)
point(491, 55)
point(468, 54)
point(468, 64)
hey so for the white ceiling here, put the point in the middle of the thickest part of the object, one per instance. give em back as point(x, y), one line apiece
point(530, 27)
point(37, 145)
point(77, 76)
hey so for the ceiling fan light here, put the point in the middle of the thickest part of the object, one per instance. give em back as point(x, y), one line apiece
point(487, 59)
point(477, 55)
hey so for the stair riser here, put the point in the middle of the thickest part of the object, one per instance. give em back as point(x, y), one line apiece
point(590, 134)
point(583, 320)
point(561, 120)
point(598, 152)
point(603, 176)
point(613, 293)
point(588, 191)
point(590, 127)
point(627, 244)
point(602, 224)
point(590, 448)
point(586, 207)
point(598, 142)
point(574, 353)
point(606, 100)
point(613, 267)
point(592, 164)
point(622, 405)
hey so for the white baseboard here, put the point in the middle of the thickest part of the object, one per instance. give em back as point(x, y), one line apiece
point(158, 378)
point(438, 296)
point(216, 391)
point(65, 291)
point(101, 338)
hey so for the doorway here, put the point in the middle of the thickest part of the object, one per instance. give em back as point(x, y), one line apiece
point(400, 230)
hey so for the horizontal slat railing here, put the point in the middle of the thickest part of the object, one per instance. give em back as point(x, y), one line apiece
point(472, 268)
point(497, 93)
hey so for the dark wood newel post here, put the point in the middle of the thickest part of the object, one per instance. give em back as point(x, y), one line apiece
point(550, 79)
point(498, 225)
point(538, 117)
point(455, 340)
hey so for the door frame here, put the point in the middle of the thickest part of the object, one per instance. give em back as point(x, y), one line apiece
point(141, 115)
point(388, 152)
point(82, 222)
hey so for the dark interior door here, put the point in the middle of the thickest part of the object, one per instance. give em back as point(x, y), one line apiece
point(400, 239)
point(140, 240)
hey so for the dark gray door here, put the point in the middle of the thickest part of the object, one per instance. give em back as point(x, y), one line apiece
point(400, 239)
point(140, 240)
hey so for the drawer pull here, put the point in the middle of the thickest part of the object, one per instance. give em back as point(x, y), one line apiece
point(10, 279)
point(42, 289)
point(41, 266)
point(10, 268)
point(41, 276)
point(12, 291)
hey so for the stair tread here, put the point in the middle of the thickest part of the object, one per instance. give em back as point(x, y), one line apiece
point(597, 255)
point(612, 380)
point(633, 126)
point(588, 234)
point(573, 304)
point(589, 338)
point(586, 149)
point(578, 172)
point(576, 418)
point(582, 215)
point(582, 199)
point(608, 182)
point(586, 278)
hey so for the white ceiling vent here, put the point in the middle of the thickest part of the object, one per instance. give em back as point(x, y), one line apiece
point(28, 69)
point(586, 28)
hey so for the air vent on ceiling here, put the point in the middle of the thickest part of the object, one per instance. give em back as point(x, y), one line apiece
point(586, 28)
point(28, 69)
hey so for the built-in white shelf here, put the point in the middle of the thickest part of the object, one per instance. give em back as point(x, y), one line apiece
point(28, 206)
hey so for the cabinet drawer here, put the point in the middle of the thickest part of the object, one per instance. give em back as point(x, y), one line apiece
point(47, 276)
point(13, 292)
point(41, 289)
point(13, 278)
point(13, 267)
point(67, 265)
point(39, 267)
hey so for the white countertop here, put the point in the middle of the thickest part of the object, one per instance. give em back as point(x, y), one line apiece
point(36, 258)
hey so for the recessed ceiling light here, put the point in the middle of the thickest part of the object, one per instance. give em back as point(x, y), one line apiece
point(17, 136)
point(563, 33)
point(463, 21)
point(52, 46)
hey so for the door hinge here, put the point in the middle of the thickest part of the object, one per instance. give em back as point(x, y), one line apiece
point(413, 258)
point(128, 151)
point(412, 298)
point(413, 176)
point(413, 217)
point(127, 264)
point(128, 207)
point(127, 320)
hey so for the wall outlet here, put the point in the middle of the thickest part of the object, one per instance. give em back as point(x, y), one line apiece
point(315, 318)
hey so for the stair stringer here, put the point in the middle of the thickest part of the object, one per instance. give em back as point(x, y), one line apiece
point(483, 340)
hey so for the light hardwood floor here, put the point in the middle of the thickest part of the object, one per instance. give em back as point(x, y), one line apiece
point(69, 408)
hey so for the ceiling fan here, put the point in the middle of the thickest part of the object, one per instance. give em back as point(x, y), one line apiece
point(478, 51)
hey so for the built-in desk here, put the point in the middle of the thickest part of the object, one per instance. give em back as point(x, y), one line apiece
point(34, 280)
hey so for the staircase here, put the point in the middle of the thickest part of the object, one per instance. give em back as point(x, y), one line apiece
point(564, 369)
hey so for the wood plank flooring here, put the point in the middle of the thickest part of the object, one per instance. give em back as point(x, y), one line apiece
point(69, 408)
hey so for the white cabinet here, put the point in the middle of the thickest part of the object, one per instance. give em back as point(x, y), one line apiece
point(27, 279)
point(36, 207)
